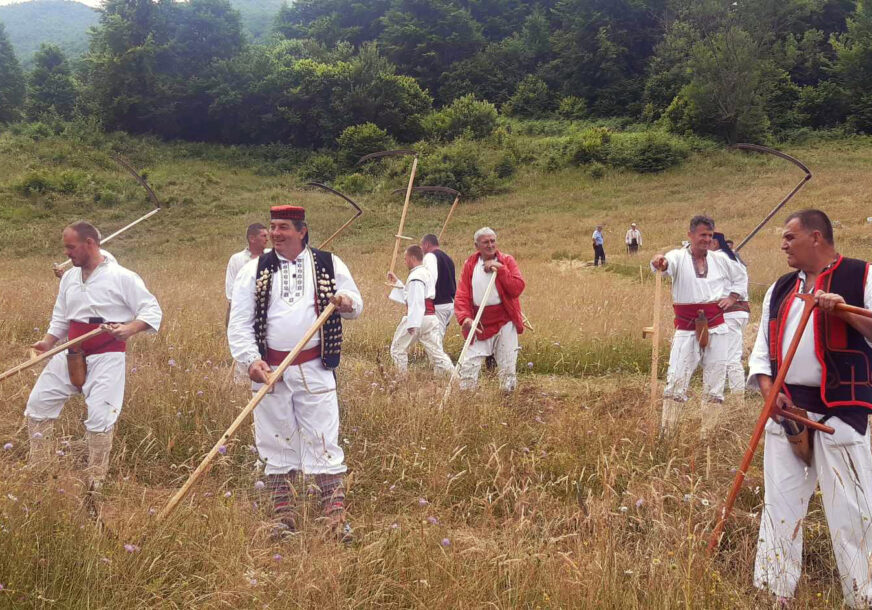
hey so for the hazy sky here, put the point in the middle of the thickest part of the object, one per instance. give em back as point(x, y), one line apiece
point(94, 3)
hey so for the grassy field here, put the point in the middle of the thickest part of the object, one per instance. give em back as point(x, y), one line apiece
point(556, 497)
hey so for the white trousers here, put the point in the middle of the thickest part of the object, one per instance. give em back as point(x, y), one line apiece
point(503, 346)
point(444, 313)
point(686, 355)
point(735, 349)
point(842, 465)
point(103, 390)
point(296, 427)
point(431, 340)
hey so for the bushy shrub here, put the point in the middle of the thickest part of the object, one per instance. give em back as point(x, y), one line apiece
point(355, 183)
point(359, 140)
point(506, 166)
point(596, 170)
point(36, 182)
point(320, 167)
point(45, 181)
point(531, 99)
point(825, 105)
point(572, 108)
point(459, 165)
point(651, 151)
point(591, 145)
point(466, 116)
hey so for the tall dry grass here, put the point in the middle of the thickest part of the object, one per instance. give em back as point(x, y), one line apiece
point(557, 496)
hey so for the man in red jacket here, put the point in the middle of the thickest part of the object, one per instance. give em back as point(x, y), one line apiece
point(501, 321)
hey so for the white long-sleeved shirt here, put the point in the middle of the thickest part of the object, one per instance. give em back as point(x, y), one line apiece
point(111, 292)
point(633, 234)
point(234, 265)
point(722, 277)
point(743, 295)
point(806, 368)
point(292, 306)
point(413, 293)
point(432, 265)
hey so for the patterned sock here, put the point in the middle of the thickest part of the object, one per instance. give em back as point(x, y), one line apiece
point(332, 487)
point(283, 492)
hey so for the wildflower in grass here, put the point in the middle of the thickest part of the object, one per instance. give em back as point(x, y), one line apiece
point(529, 365)
point(395, 526)
point(8, 446)
point(227, 494)
point(199, 392)
point(687, 497)
point(222, 450)
point(704, 502)
point(152, 511)
point(624, 509)
point(133, 370)
point(105, 560)
point(392, 487)
point(11, 497)
point(432, 520)
point(131, 548)
point(422, 502)
point(171, 362)
point(640, 503)
point(538, 420)
point(37, 435)
point(446, 542)
point(60, 453)
point(258, 485)
point(277, 557)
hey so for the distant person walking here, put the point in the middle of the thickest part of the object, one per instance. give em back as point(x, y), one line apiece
point(633, 239)
point(599, 254)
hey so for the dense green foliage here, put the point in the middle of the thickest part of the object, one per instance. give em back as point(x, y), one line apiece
point(11, 81)
point(344, 76)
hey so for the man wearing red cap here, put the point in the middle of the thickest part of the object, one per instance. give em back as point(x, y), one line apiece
point(501, 321)
point(275, 300)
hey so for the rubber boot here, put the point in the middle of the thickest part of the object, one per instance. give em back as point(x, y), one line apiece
point(41, 435)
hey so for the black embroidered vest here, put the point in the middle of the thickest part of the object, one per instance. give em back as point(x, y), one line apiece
point(325, 285)
point(844, 354)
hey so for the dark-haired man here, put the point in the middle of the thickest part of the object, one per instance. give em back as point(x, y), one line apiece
point(700, 278)
point(95, 292)
point(257, 237)
point(276, 299)
point(441, 267)
point(420, 322)
point(830, 379)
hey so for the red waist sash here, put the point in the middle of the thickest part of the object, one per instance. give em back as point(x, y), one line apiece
point(429, 308)
point(492, 320)
point(275, 357)
point(739, 306)
point(101, 344)
point(686, 314)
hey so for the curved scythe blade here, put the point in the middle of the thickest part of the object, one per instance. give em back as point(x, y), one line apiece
point(785, 156)
point(358, 211)
point(430, 189)
point(151, 195)
point(387, 153)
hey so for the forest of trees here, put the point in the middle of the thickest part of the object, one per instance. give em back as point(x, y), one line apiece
point(403, 70)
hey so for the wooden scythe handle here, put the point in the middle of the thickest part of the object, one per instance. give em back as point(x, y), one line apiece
point(49, 353)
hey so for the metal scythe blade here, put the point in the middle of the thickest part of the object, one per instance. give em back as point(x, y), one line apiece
point(358, 211)
point(785, 156)
point(151, 195)
point(387, 153)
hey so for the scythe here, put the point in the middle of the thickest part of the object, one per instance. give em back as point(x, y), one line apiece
point(439, 189)
point(151, 195)
point(358, 212)
point(783, 202)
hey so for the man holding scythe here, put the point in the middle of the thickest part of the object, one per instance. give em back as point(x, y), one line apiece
point(276, 299)
point(830, 381)
point(96, 293)
point(700, 278)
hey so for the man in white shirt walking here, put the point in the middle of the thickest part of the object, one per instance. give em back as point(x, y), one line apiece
point(633, 239)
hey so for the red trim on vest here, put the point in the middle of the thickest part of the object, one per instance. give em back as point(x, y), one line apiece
point(686, 313)
point(275, 357)
point(101, 344)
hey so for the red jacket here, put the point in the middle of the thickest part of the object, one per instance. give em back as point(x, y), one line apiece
point(510, 284)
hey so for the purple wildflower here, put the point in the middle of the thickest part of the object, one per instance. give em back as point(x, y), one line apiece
point(277, 557)
point(259, 485)
point(172, 362)
point(227, 494)
point(432, 520)
point(131, 548)
point(422, 502)
point(222, 450)
point(446, 542)
point(8, 446)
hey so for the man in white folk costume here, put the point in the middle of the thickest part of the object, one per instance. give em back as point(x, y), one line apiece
point(276, 299)
point(700, 281)
point(95, 292)
point(441, 267)
point(257, 237)
point(736, 318)
point(830, 380)
point(420, 322)
point(501, 321)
